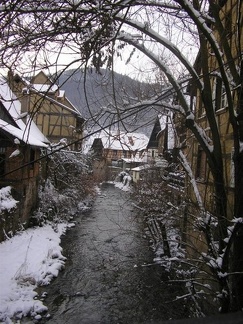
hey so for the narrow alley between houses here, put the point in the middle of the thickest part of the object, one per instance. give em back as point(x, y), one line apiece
point(110, 276)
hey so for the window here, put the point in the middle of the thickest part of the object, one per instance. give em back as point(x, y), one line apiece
point(224, 102)
point(201, 165)
point(220, 98)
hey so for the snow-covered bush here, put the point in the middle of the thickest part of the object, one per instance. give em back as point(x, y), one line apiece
point(123, 180)
point(7, 202)
point(69, 182)
point(163, 213)
point(124, 177)
point(9, 221)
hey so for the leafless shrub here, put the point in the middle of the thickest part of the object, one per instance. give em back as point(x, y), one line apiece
point(69, 182)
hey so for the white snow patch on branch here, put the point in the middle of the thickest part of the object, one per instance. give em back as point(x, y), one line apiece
point(15, 153)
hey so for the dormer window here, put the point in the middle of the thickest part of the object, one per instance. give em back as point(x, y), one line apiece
point(25, 91)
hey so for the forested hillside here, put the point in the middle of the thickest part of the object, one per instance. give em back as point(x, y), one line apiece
point(99, 95)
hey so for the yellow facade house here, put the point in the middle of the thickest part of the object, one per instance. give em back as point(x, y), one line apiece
point(56, 117)
point(218, 111)
point(228, 14)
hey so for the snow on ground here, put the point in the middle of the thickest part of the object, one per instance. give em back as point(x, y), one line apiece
point(124, 187)
point(30, 258)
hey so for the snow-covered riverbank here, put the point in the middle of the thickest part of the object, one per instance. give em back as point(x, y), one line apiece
point(27, 260)
point(32, 257)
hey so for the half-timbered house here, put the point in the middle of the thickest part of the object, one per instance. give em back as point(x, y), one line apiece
point(52, 112)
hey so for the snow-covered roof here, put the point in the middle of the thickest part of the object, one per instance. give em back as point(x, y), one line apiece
point(117, 140)
point(27, 132)
point(45, 88)
point(133, 159)
point(22, 135)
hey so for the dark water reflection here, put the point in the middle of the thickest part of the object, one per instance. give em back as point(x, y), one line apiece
point(107, 277)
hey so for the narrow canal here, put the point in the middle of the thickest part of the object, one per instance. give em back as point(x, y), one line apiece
point(109, 275)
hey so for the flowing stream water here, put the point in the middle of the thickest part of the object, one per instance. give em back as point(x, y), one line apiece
point(109, 276)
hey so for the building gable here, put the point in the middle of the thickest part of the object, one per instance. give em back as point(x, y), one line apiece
point(52, 112)
point(153, 140)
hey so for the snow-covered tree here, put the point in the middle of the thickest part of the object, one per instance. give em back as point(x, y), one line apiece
point(36, 34)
